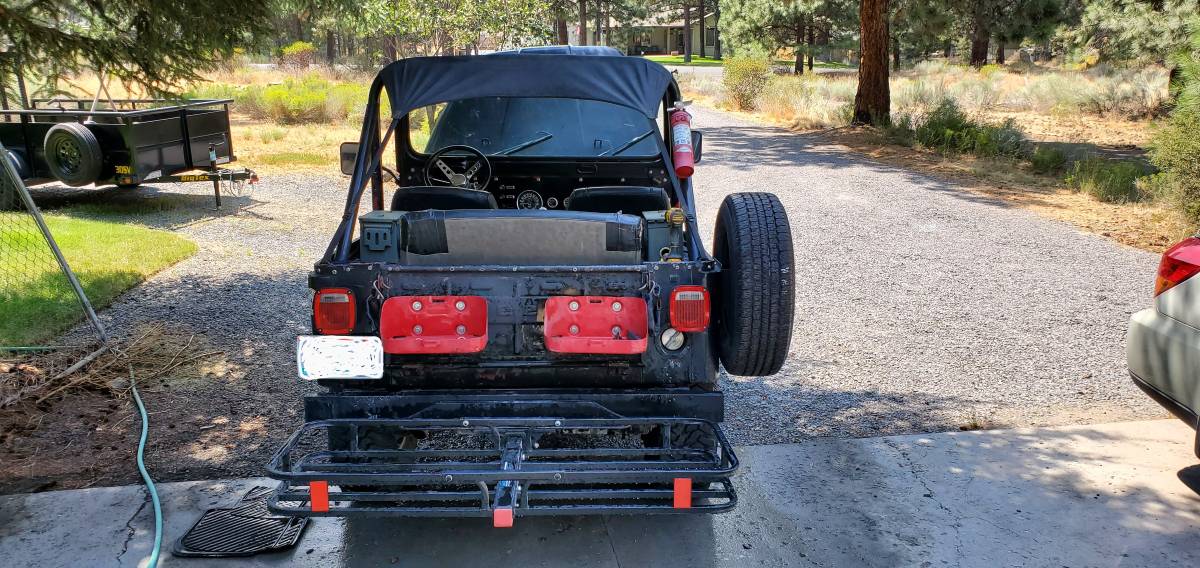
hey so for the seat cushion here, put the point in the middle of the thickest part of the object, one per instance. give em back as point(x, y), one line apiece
point(618, 198)
point(422, 197)
point(521, 237)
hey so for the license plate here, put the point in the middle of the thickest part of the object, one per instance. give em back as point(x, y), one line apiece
point(338, 357)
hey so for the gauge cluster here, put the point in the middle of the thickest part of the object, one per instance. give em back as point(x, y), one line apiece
point(527, 194)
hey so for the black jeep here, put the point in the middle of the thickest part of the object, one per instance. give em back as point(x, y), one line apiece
point(527, 322)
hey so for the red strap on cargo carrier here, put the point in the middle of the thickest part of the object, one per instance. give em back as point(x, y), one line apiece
point(611, 325)
point(434, 324)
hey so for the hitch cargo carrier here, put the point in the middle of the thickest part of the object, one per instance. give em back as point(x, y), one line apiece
point(504, 468)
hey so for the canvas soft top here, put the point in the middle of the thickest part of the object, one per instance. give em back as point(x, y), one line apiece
point(421, 81)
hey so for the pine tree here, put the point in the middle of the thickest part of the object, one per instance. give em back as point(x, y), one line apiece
point(159, 45)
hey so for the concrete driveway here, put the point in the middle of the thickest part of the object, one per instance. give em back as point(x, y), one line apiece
point(1106, 495)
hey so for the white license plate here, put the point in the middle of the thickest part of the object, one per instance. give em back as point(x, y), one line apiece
point(338, 357)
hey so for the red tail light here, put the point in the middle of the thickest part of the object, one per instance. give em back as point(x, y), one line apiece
point(1179, 263)
point(333, 311)
point(689, 308)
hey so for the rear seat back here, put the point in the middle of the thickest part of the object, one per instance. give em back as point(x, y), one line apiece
point(504, 237)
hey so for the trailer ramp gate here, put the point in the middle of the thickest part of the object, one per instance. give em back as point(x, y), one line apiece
point(504, 468)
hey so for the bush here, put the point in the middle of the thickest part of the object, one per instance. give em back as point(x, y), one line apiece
point(1110, 181)
point(1175, 149)
point(298, 55)
point(1047, 160)
point(948, 130)
point(745, 79)
point(310, 98)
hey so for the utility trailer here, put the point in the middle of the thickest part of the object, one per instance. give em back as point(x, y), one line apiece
point(123, 142)
point(527, 321)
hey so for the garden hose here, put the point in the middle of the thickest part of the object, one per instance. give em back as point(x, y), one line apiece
point(141, 465)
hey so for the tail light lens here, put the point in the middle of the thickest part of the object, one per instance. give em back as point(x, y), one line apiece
point(333, 311)
point(1179, 263)
point(689, 308)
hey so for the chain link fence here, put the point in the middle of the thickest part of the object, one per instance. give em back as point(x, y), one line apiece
point(48, 329)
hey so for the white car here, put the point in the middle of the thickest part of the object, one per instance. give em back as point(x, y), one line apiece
point(1163, 345)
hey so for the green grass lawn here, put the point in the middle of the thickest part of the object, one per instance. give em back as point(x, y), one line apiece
point(678, 60)
point(710, 62)
point(36, 302)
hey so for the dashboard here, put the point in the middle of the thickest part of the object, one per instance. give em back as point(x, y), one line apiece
point(538, 184)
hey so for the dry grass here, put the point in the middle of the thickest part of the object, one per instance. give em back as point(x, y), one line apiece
point(151, 352)
point(1101, 106)
point(271, 148)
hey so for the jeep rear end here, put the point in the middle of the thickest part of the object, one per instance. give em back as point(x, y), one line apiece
point(538, 329)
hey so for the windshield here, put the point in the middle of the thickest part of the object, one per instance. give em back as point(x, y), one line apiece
point(528, 126)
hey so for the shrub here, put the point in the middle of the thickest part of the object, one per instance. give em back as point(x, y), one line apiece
point(1047, 160)
point(948, 130)
point(1175, 149)
point(297, 55)
point(745, 79)
point(1110, 181)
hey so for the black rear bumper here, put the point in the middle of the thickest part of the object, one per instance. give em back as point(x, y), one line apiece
point(506, 455)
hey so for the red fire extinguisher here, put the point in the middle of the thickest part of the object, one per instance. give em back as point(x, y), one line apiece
point(681, 142)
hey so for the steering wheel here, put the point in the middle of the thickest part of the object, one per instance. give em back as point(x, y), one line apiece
point(475, 174)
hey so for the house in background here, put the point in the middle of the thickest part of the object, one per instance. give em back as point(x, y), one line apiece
point(653, 36)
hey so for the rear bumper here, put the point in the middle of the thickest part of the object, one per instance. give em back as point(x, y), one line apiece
point(506, 468)
point(1164, 359)
point(525, 403)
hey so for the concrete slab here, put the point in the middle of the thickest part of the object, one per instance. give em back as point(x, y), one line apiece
point(1108, 495)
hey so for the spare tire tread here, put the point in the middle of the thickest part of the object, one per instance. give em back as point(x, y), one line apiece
point(757, 283)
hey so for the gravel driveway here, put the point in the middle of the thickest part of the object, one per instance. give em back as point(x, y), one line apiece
point(920, 307)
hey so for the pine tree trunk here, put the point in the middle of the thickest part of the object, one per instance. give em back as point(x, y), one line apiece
point(687, 32)
point(599, 32)
point(979, 45)
point(812, 34)
point(999, 52)
point(717, 30)
point(703, 32)
point(947, 49)
point(560, 25)
point(895, 53)
point(330, 46)
point(583, 31)
point(872, 103)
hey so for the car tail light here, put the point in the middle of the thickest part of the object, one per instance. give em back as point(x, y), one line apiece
point(333, 311)
point(689, 308)
point(1179, 263)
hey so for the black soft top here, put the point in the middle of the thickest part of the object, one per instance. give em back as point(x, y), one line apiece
point(630, 81)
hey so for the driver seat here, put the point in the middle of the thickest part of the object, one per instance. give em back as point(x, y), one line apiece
point(422, 197)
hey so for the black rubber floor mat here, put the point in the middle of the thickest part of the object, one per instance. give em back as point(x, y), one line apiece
point(241, 530)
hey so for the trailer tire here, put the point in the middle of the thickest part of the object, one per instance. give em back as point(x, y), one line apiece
point(73, 154)
point(754, 294)
point(693, 437)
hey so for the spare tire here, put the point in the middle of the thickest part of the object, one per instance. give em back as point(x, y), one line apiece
point(754, 294)
point(73, 154)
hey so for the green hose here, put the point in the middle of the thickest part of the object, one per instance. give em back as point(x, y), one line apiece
point(141, 464)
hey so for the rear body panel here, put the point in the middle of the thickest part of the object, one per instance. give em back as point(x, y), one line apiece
point(516, 354)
